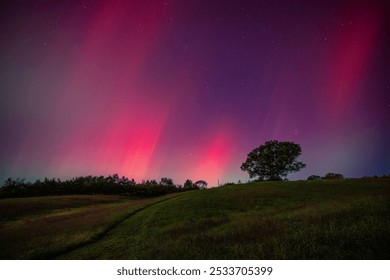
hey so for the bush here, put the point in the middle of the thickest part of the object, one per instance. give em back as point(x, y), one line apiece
point(333, 176)
point(313, 178)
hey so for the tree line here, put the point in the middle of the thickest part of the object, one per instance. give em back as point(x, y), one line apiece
point(109, 185)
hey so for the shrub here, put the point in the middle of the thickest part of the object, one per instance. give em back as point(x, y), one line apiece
point(333, 176)
point(313, 177)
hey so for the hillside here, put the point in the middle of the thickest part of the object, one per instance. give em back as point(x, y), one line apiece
point(280, 220)
point(346, 219)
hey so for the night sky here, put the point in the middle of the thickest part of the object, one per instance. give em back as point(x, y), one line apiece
point(186, 89)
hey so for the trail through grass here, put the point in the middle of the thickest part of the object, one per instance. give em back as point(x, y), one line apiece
point(43, 227)
point(270, 220)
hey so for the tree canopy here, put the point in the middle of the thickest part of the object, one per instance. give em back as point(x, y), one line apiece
point(110, 185)
point(273, 160)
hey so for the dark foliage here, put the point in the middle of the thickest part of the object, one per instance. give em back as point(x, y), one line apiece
point(273, 160)
point(314, 178)
point(385, 176)
point(201, 185)
point(333, 176)
point(111, 185)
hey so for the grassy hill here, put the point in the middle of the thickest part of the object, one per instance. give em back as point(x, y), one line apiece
point(346, 219)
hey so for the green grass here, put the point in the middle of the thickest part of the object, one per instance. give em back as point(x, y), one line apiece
point(43, 227)
point(345, 219)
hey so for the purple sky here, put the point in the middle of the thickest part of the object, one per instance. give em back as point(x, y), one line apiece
point(186, 89)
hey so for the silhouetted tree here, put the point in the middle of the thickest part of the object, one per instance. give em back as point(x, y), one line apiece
point(313, 178)
point(188, 184)
point(14, 186)
point(273, 160)
point(333, 176)
point(13, 182)
point(166, 182)
point(200, 184)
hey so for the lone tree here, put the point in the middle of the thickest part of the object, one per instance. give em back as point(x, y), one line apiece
point(273, 160)
point(201, 184)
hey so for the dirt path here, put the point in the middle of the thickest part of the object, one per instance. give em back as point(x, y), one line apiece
point(100, 236)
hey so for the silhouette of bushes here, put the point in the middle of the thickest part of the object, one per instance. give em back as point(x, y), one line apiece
point(333, 176)
point(110, 185)
point(313, 178)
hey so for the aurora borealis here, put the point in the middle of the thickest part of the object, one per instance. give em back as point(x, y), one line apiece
point(186, 89)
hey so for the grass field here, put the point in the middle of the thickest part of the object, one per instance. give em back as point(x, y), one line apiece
point(43, 227)
point(346, 219)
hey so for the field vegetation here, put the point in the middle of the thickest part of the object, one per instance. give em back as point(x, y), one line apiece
point(319, 219)
point(43, 227)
